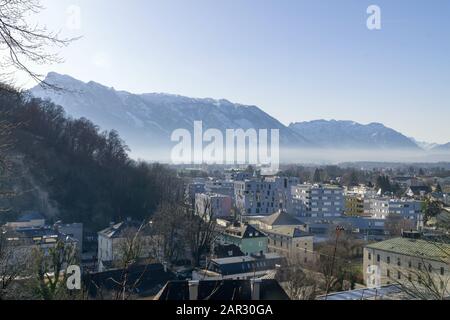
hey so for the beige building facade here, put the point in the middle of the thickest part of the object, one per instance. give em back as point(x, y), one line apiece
point(407, 261)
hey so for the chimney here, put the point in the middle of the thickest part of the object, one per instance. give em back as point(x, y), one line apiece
point(256, 289)
point(193, 290)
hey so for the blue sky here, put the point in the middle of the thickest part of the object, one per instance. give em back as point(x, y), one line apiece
point(297, 60)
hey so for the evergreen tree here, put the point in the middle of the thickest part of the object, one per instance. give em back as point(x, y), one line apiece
point(384, 184)
point(354, 179)
point(317, 178)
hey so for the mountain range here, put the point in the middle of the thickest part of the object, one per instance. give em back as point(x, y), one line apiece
point(350, 135)
point(148, 120)
point(442, 147)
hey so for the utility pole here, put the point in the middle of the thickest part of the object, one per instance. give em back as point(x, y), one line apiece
point(339, 229)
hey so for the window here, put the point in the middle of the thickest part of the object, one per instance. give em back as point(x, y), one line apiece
point(378, 258)
point(430, 268)
point(442, 271)
point(388, 259)
point(388, 273)
point(399, 275)
point(370, 256)
point(399, 262)
point(419, 266)
point(409, 264)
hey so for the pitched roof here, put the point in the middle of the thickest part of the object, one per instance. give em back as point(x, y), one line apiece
point(31, 216)
point(223, 290)
point(418, 189)
point(38, 235)
point(224, 250)
point(245, 264)
point(119, 230)
point(425, 249)
point(150, 279)
point(243, 231)
point(289, 231)
point(281, 218)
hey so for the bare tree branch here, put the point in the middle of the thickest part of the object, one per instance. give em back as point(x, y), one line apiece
point(24, 43)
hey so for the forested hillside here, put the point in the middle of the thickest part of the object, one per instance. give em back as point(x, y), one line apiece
point(70, 169)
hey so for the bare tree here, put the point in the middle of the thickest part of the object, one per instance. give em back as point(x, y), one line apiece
point(132, 248)
point(396, 224)
point(443, 221)
point(336, 258)
point(22, 43)
point(200, 230)
point(167, 232)
point(329, 263)
point(6, 129)
point(423, 282)
point(11, 265)
point(130, 251)
point(298, 283)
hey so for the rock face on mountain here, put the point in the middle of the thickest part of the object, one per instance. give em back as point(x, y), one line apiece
point(148, 120)
point(352, 135)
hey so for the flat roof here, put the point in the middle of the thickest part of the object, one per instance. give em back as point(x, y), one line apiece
point(232, 260)
point(364, 294)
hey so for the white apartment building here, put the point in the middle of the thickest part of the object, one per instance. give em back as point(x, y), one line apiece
point(366, 194)
point(112, 239)
point(409, 209)
point(223, 187)
point(264, 196)
point(315, 200)
point(238, 175)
